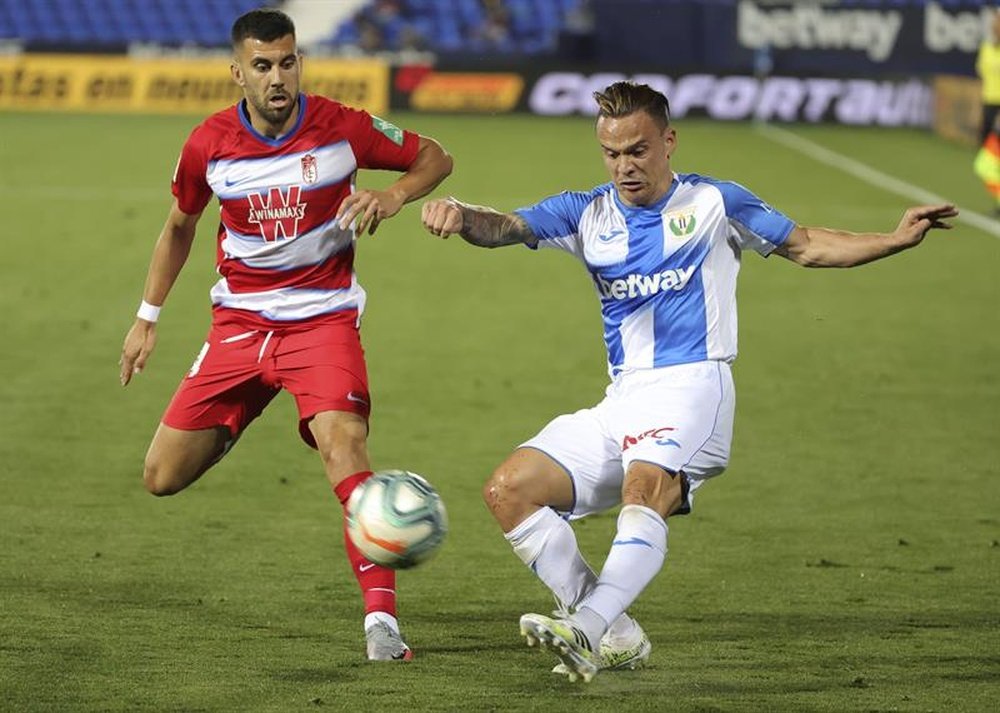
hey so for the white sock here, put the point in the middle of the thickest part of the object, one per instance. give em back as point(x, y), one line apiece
point(624, 628)
point(592, 624)
point(636, 555)
point(547, 544)
point(383, 617)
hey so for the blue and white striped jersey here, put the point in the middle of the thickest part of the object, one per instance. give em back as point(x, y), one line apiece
point(665, 273)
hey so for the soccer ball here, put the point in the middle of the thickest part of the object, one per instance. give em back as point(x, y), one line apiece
point(396, 519)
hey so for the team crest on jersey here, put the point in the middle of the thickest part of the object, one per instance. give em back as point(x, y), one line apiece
point(277, 214)
point(682, 222)
point(310, 172)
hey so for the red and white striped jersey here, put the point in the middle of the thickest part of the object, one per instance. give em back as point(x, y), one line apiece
point(281, 254)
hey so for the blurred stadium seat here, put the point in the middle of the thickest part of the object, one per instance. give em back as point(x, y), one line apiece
point(442, 26)
point(456, 26)
point(492, 26)
point(115, 23)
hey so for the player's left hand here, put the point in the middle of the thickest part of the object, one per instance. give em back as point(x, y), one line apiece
point(369, 208)
point(918, 220)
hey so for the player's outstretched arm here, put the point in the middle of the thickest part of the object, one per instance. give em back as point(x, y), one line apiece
point(171, 252)
point(369, 207)
point(825, 247)
point(478, 225)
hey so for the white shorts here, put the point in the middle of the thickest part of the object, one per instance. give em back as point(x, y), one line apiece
point(677, 417)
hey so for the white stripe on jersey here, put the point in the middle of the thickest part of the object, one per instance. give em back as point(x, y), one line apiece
point(638, 329)
point(289, 303)
point(309, 248)
point(603, 220)
point(234, 179)
point(719, 273)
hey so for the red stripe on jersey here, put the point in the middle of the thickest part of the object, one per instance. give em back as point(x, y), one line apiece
point(334, 273)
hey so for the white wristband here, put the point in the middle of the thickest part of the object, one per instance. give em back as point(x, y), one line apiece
point(148, 312)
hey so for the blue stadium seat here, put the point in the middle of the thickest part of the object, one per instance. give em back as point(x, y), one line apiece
point(448, 35)
point(22, 25)
point(522, 16)
point(105, 22)
point(470, 12)
point(346, 34)
point(460, 25)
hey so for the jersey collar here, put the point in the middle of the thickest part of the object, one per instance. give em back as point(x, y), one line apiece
point(656, 207)
point(241, 110)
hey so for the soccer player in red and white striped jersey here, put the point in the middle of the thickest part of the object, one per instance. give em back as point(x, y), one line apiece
point(286, 310)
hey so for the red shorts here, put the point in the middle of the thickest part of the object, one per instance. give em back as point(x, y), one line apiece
point(239, 371)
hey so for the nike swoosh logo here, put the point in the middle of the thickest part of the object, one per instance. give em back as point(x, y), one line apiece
point(356, 399)
point(231, 183)
point(365, 567)
point(608, 237)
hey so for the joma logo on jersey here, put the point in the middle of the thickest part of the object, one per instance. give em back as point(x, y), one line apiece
point(660, 434)
point(279, 214)
point(636, 285)
point(682, 222)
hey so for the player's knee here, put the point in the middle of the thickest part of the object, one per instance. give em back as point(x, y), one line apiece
point(504, 490)
point(499, 485)
point(491, 489)
point(159, 480)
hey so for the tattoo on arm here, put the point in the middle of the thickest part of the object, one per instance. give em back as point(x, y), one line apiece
point(488, 228)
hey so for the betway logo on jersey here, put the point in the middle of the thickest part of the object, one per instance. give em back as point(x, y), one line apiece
point(278, 214)
point(636, 285)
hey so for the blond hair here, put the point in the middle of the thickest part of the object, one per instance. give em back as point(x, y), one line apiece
point(625, 98)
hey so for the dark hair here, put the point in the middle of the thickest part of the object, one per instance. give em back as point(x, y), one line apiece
point(266, 24)
point(624, 98)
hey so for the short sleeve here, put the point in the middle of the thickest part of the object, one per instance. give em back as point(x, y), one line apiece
point(555, 220)
point(190, 185)
point(380, 144)
point(757, 225)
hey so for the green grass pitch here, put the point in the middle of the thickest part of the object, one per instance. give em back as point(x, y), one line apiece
point(849, 560)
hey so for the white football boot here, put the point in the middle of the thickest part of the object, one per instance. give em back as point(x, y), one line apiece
point(618, 653)
point(384, 644)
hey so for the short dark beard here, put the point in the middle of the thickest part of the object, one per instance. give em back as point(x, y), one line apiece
point(275, 117)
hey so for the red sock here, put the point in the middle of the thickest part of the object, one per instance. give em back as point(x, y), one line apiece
point(378, 584)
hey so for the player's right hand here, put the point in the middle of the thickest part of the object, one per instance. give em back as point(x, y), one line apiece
point(917, 221)
point(139, 343)
point(442, 217)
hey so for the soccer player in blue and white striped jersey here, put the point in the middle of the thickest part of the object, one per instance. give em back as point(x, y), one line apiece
point(663, 250)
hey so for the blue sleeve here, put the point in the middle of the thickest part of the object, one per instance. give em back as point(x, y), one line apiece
point(760, 227)
point(555, 220)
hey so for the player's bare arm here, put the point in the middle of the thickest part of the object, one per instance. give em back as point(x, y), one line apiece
point(478, 225)
point(169, 255)
point(370, 207)
point(825, 247)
